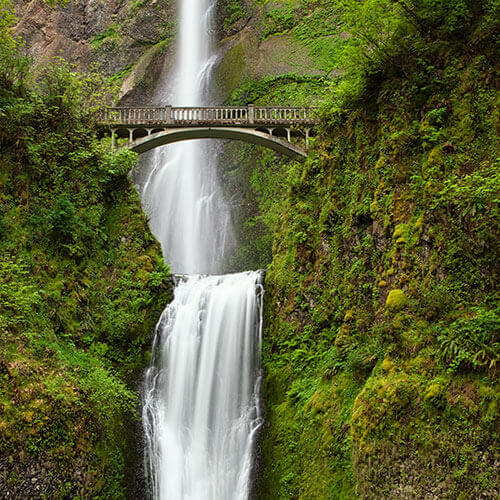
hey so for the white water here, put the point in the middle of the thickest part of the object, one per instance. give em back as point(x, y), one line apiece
point(201, 407)
point(180, 191)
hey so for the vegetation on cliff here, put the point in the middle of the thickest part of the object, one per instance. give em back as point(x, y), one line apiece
point(82, 282)
point(381, 346)
point(381, 342)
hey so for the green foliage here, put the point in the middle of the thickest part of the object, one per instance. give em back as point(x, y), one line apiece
point(471, 343)
point(82, 283)
point(13, 69)
point(278, 21)
point(234, 11)
point(290, 89)
point(112, 34)
point(121, 75)
point(381, 334)
point(136, 5)
point(18, 304)
point(317, 26)
point(393, 37)
point(78, 96)
point(54, 3)
point(62, 222)
point(7, 20)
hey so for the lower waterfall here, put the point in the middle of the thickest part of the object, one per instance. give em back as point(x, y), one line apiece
point(201, 399)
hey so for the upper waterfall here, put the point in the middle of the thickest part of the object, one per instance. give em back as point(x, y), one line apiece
point(180, 191)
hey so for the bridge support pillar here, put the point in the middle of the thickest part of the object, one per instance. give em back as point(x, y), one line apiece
point(270, 130)
point(168, 115)
point(130, 135)
point(307, 138)
point(288, 135)
point(113, 138)
point(251, 113)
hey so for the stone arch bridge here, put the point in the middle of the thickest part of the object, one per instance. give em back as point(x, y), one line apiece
point(283, 129)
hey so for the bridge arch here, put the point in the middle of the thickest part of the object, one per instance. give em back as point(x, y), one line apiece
point(250, 135)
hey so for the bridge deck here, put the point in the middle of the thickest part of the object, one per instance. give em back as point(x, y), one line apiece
point(220, 116)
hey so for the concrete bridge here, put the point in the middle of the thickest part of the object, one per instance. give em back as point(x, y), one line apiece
point(283, 129)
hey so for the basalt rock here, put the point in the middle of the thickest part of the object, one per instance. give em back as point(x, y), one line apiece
point(113, 37)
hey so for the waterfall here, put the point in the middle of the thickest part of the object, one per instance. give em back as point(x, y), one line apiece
point(180, 192)
point(200, 399)
point(201, 408)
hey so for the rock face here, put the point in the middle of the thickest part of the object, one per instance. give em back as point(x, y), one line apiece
point(124, 40)
point(246, 57)
point(132, 42)
point(35, 478)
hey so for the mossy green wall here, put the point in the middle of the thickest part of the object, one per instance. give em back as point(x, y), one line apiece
point(380, 351)
point(82, 284)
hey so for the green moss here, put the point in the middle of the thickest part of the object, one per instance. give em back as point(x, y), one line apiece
point(82, 283)
point(349, 315)
point(396, 299)
point(400, 234)
point(234, 11)
point(111, 35)
point(398, 192)
point(387, 365)
point(231, 71)
point(436, 394)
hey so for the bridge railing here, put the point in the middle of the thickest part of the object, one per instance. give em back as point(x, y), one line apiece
point(222, 115)
point(271, 114)
point(215, 115)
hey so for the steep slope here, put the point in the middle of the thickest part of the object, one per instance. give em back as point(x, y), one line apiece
point(382, 329)
point(82, 282)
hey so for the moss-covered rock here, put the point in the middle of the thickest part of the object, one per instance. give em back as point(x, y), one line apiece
point(382, 287)
point(396, 299)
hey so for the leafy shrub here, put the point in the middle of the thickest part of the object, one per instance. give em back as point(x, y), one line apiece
point(471, 343)
point(62, 219)
point(278, 21)
point(234, 12)
point(18, 302)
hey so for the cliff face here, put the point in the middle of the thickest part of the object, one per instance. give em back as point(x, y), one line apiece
point(124, 40)
point(381, 336)
point(381, 320)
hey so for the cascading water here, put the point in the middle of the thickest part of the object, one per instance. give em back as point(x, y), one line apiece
point(201, 406)
point(180, 192)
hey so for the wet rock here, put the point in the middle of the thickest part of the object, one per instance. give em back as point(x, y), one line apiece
point(111, 36)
